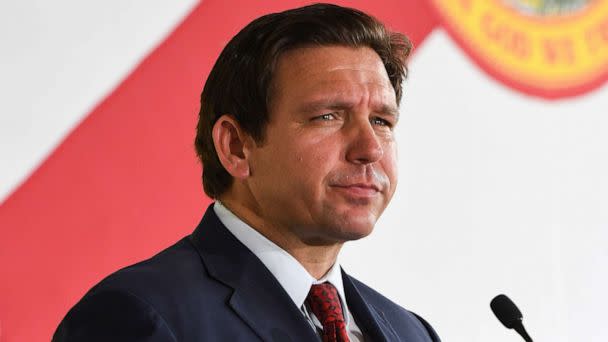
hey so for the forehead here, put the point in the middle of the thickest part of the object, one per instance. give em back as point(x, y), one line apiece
point(306, 73)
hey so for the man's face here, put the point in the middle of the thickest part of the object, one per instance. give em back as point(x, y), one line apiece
point(328, 166)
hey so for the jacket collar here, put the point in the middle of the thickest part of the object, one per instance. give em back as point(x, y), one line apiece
point(369, 318)
point(255, 290)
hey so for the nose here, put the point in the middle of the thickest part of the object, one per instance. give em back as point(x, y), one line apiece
point(365, 146)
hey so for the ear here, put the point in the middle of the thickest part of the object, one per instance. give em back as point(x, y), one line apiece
point(229, 141)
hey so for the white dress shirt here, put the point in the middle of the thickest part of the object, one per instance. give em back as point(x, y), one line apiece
point(292, 276)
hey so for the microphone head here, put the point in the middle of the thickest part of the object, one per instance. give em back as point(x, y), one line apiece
point(506, 311)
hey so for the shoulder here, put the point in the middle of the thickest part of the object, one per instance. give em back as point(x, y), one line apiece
point(398, 317)
point(147, 298)
point(173, 269)
point(113, 315)
point(175, 275)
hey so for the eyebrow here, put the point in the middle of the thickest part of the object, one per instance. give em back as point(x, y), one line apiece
point(315, 106)
point(389, 110)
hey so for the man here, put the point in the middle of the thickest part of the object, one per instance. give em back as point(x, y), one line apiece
point(296, 137)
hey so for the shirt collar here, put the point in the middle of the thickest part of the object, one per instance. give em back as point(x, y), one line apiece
point(292, 276)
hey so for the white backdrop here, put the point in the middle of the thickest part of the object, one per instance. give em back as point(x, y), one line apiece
point(498, 193)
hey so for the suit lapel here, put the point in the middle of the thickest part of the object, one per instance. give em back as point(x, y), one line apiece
point(258, 298)
point(370, 320)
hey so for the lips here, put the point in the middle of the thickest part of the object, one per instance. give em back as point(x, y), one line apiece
point(358, 189)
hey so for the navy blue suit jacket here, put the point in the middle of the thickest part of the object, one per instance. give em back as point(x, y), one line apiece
point(210, 287)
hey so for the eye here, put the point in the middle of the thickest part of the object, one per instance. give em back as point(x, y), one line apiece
point(326, 117)
point(380, 122)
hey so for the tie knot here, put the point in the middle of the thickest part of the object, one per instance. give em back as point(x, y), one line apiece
point(324, 302)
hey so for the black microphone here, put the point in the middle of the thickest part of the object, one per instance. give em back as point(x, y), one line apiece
point(509, 315)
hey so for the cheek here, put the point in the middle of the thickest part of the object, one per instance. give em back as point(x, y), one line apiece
point(311, 163)
point(308, 170)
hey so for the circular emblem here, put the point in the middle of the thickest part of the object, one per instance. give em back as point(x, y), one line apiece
point(547, 48)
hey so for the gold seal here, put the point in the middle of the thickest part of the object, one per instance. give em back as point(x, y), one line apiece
point(548, 48)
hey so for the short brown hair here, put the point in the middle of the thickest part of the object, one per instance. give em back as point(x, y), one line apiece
point(239, 83)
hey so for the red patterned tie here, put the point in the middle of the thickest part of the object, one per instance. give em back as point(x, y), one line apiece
point(324, 302)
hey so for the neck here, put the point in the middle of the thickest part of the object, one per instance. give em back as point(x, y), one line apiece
point(316, 258)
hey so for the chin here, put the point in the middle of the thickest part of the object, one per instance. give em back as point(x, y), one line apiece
point(341, 224)
point(336, 231)
point(353, 228)
point(357, 232)
point(353, 236)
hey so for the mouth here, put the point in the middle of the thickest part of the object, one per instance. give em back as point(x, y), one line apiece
point(358, 190)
